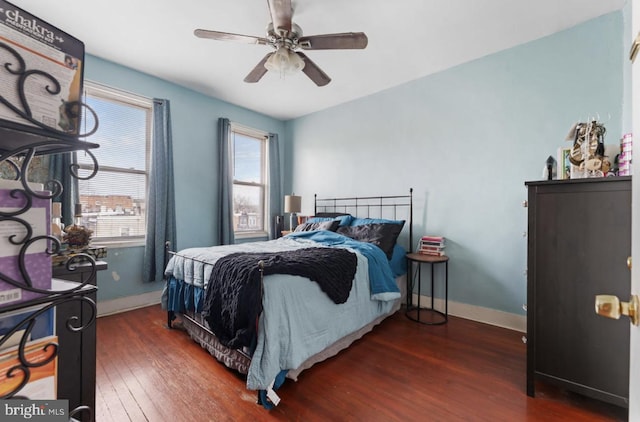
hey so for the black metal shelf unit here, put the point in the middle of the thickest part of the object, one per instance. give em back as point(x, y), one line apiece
point(73, 304)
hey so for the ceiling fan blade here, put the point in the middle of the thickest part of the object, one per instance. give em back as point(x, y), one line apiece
point(281, 15)
point(227, 36)
point(259, 71)
point(347, 40)
point(313, 71)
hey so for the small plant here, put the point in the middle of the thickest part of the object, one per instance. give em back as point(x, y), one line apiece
point(77, 236)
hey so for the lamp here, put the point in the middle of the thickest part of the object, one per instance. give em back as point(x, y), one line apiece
point(292, 205)
point(285, 61)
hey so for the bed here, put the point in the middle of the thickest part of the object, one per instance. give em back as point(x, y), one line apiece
point(269, 318)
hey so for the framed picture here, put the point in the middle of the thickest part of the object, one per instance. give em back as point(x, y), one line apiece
point(564, 165)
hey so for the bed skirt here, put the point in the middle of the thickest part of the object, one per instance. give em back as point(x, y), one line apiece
point(240, 360)
point(236, 359)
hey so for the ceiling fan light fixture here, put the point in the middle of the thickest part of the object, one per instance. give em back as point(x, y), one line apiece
point(284, 61)
point(285, 37)
point(296, 64)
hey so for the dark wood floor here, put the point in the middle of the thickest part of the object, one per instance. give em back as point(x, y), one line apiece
point(462, 371)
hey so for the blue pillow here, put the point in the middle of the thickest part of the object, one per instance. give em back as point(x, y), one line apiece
point(363, 221)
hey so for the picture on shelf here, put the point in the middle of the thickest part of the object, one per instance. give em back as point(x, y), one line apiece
point(564, 165)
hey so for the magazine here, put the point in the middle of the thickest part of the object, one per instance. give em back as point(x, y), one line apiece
point(43, 47)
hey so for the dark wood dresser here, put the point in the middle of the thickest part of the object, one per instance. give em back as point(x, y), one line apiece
point(579, 238)
point(81, 272)
point(77, 353)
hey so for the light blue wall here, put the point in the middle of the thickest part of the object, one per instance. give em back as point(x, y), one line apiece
point(194, 124)
point(466, 140)
point(626, 69)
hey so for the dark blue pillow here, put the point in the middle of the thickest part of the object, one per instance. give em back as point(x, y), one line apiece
point(382, 235)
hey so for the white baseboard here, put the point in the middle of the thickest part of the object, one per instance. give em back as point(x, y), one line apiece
point(478, 313)
point(128, 303)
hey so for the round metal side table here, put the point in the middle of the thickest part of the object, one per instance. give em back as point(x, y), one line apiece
point(435, 317)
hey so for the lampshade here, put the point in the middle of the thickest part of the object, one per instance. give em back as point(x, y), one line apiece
point(285, 61)
point(292, 203)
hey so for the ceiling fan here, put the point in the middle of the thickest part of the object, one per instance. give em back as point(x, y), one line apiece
point(286, 38)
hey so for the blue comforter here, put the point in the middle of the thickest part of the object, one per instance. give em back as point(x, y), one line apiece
point(383, 286)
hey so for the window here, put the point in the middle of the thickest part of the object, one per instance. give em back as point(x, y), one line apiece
point(114, 201)
point(249, 181)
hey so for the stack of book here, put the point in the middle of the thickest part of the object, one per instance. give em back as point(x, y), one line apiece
point(431, 245)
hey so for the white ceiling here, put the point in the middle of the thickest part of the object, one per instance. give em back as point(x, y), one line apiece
point(408, 39)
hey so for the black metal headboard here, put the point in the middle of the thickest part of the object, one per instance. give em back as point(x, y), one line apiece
point(394, 207)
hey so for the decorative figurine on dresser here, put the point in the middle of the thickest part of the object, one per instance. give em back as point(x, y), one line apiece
point(47, 330)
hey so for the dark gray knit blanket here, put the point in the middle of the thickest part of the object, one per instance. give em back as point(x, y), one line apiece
point(233, 299)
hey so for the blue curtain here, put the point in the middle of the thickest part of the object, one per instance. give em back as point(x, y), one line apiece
point(59, 169)
point(226, 182)
point(275, 181)
point(161, 215)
